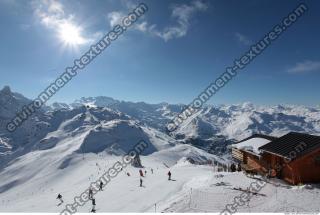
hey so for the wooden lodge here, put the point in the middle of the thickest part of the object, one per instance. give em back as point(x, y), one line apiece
point(239, 154)
point(294, 157)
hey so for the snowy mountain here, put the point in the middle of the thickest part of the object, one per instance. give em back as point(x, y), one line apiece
point(230, 121)
point(58, 105)
point(62, 148)
point(241, 121)
point(100, 101)
point(155, 115)
point(213, 128)
point(11, 102)
point(223, 122)
point(30, 131)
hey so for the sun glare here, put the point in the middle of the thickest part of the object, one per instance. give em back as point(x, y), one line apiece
point(70, 34)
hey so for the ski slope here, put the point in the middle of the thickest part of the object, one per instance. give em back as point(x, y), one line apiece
point(194, 188)
point(35, 188)
point(65, 150)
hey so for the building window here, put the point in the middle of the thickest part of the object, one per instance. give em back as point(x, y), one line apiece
point(317, 160)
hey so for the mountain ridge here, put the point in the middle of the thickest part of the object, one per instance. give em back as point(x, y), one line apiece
point(215, 127)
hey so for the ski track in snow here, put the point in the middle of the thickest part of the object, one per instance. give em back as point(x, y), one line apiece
point(123, 193)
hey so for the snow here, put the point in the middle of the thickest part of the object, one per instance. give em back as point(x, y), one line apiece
point(212, 192)
point(252, 144)
point(63, 148)
point(32, 183)
point(194, 188)
point(210, 124)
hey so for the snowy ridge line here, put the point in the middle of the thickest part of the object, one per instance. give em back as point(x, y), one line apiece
point(79, 64)
point(238, 64)
point(112, 172)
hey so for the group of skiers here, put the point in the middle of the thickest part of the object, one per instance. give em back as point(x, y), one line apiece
point(93, 210)
point(235, 168)
point(93, 200)
point(141, 175)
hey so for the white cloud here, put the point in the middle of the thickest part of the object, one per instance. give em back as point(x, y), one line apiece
point(182, 15)
point(115, 18)
point(52, 15)
point(48, 13)
point(128, 4)
point(143, 26)
point(55, 7)
point(243, 39)
point(306, 66)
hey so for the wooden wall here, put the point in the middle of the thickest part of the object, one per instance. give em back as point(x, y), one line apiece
point(305, 169)
point(237, 154)
point(301, 170)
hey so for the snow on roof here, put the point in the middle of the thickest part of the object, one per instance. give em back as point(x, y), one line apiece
point(252, 144)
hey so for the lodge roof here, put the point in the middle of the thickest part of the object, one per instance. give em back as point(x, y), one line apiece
point(292, 145)
point(271, 138)
point(252, 143)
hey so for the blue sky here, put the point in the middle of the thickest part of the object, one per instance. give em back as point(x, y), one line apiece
point(170, 55)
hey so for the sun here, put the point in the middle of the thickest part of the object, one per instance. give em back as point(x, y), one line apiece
point(70, 34)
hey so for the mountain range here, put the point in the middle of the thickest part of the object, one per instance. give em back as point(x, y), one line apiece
point(111, 121)
point(62, 148)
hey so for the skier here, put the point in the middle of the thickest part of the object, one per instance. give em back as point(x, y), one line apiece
point(141, 173)
point(151, 170)
point(141, 182)
point(60, 198)
point(90, 194)
point(101, 186)
point(145, 173)
point(169, 174)
point(93, 210)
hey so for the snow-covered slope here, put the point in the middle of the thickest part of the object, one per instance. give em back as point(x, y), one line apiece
point(32, 184)
point(81, 148)
point(64, 147)
point(241, 121)
point(99, 129)
point(211, 129)
point(219, 192)
point(154, 115)
point(231, 121)
point(31, 130)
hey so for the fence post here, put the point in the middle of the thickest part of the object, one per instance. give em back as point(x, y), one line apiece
point(190, 198)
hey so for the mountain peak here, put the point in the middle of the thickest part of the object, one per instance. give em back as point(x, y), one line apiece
point(6, 90)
